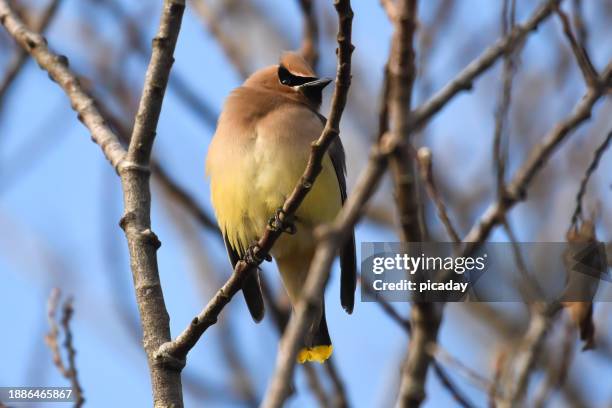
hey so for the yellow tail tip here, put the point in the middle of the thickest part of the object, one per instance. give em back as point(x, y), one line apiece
point(318, 354)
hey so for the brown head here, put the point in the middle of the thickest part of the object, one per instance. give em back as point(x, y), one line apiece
point(292, 77)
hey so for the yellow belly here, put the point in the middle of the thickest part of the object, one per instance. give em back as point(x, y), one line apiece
point(250, 190)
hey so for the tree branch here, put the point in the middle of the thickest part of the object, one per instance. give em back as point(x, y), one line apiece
point(599, 152)
point(68, 370)
point(425, 163)
point(464, 80)
point(538, 157)
point(136, 221)
point(57, 67)
point(21, 56)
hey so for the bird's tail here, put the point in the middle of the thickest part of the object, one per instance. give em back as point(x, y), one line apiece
point(317, 343)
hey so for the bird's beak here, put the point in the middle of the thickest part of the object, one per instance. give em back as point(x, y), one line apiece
point(319, 83)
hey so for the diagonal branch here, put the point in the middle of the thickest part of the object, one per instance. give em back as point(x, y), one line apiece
point(538, 157)
point(580, 54)
point(463, 80)
point(57, 67)
point(425, 163)
point(599, 152)
point(21, 56)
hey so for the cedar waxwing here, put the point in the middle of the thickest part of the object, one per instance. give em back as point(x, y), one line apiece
point(256, 157)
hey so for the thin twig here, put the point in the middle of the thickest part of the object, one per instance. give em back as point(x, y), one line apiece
point(517, 188)
point(599, 152)
point(67, 312)
point(589, 72)
point(557, 373)
point(579, 24)
point(426, 171)
point(516, 378)
point(68, 370)
point(500, 143)
point(493, 392)
point(444, 356)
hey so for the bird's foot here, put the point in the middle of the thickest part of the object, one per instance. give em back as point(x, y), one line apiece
point(253, 257)
point(282, 222)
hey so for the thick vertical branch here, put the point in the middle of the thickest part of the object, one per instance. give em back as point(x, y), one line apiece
point(136, 222)
point(402, 72)
point(424, 317)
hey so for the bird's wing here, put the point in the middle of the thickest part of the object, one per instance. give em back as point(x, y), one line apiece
point(348, 257)
point(251, 287)
point(348, 262)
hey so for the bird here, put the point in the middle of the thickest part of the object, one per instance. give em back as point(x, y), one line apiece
point(256, 157)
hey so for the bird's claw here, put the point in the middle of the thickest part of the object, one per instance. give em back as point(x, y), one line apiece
point(253, 257)
point(282, 222)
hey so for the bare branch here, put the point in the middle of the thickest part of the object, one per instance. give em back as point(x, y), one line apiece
point(500, 143)
point(582, 58)
point(136, 221)
point(426, 170)
point(68, 370)
point(599, 152)
point(464, 80)
point(516, 382)
point(21, 56)
point(402, 72)
point(444, 356)
point(57, 67)
point(557, 373)
point(578, 17)
point(538, 157)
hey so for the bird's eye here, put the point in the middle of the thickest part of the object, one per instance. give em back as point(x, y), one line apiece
point(284, 76)
point(287, 78)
